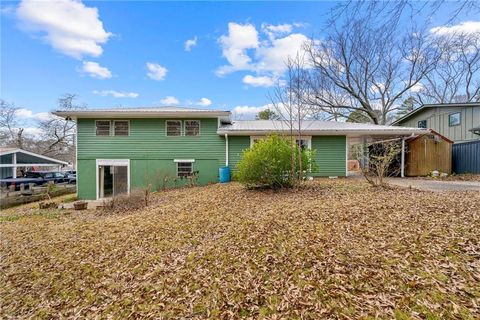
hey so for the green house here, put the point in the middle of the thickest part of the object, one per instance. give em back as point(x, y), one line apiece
point(119, 150)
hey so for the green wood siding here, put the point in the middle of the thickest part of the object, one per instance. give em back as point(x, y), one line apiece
point(151, 153)
point(236, 145)
point(330, 155)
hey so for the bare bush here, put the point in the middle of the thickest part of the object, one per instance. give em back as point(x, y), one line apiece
point(380, 163)
point(128, 202)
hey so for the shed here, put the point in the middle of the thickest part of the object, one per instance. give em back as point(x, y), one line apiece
point(12, 159)
point(428, 152)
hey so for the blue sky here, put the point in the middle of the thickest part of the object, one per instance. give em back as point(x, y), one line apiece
point(134, 53)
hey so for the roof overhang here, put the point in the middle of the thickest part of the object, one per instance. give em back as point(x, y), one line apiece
point(140, 114)
point(349, 133)
point(18, 150)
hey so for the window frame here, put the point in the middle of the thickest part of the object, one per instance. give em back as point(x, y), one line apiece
point(113, 127)
point(166, 128)
point(459, 119)
point(190, 161)
point(109, 129)
point(185, 128)
point(418, 124)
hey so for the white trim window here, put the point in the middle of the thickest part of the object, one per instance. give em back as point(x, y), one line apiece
point(121, 127)
point(173, 128)
point(184, 167)
point(102, 127)
point(192, 127)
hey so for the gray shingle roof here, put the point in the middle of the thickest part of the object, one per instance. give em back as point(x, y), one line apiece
point(311, 127)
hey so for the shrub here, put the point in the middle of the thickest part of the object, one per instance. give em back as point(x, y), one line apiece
point(274, 163)
point(128, 202)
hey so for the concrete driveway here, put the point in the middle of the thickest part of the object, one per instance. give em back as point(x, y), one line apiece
point(435, 185)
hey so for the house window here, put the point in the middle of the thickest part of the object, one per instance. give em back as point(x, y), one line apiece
point(174, 128)
point(102, 127)
point(184, 168)
point(454, 119)
point(192, 127)
point(303, 143)
point(422, 124)
point(121, 128)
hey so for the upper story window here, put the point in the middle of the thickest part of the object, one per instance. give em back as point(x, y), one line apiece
point(121, 127)
point(102, 127)
point(192, 127)
point(454, 119)
point(422, 124)
point(174, 128)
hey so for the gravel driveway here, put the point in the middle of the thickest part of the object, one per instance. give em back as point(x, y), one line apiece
point(433, 185)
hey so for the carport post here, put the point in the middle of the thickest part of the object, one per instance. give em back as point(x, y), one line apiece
point(14, 169)
point(402, 168)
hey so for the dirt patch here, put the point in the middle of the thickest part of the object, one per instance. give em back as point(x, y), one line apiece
point(330, 249)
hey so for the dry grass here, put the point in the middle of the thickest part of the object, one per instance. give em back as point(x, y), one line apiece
point(332, 249)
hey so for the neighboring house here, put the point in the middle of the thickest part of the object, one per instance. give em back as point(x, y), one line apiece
point(459, 122)
point(122, 149)
point(15, 159)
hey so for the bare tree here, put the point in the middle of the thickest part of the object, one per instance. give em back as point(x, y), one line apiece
point(10, 132)
point(58, 133)
point(366, 64)
point(456, 77)
point(291, 106)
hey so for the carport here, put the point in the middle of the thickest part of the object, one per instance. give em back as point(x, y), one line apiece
point(12, 159)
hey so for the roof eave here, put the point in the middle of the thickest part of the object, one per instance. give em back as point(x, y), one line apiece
point(139, 114)
point(400, 132)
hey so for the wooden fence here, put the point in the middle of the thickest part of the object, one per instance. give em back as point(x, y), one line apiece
point(9, 198)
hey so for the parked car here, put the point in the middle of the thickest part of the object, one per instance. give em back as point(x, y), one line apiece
point(38, 178)
point(71, 176)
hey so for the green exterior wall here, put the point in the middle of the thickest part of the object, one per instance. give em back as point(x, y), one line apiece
point(152, 153)
point(330, 155)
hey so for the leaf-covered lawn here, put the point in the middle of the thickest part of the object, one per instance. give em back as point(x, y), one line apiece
point(331, 249)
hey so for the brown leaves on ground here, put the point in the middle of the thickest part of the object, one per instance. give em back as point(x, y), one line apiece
point(330, 249)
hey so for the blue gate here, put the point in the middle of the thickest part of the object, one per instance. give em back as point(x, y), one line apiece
point(466, 157)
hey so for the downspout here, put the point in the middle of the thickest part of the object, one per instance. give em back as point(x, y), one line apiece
point(226, 149)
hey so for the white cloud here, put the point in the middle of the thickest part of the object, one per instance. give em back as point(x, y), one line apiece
point(245, 50)
point(115, 94)
point(156, 71)
point(190, 43)
point(235, 44)
point(273, 31)
point(95, 70)
point(26, 114)
point(33, 131)
point(169, 100)
point(67, 25)
point(417, 87)
point(260, 81)
point(466, 27)
point(248, 112)
point(204, 102)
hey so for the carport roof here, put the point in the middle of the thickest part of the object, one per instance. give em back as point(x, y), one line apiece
point(25, 157)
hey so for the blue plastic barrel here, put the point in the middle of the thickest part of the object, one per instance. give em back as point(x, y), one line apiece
point(224, 173)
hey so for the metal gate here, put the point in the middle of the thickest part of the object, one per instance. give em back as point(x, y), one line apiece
point(466, 157)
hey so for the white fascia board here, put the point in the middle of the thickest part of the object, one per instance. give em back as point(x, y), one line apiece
point(139, 114)
point(34, 155)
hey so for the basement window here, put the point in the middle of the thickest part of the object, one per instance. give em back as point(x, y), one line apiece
point(174, 128)
point(422, 124)
point(192, 127)
point(184, 168)
point(102, 127)
point(121, 127)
